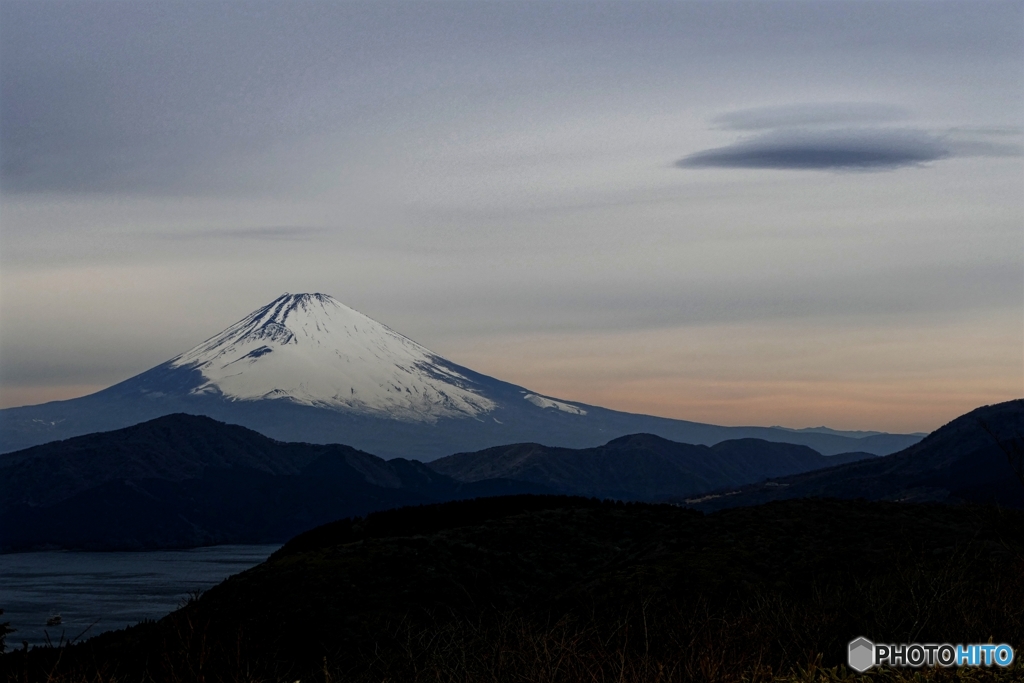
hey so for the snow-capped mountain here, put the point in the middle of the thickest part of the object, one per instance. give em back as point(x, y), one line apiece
point(308, 368)
point(313, 350)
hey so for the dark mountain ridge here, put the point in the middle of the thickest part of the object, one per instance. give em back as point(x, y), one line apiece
point(639, 466)
point(976, 458)
point(186, 480)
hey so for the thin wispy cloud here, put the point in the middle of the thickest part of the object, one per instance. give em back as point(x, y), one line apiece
point(266, 233)
point(804, 115)
point(992, 142)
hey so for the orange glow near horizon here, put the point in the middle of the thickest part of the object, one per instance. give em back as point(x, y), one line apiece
point(892, 378)
point(896, 379)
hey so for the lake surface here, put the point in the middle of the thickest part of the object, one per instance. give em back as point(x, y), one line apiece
point(97, 592)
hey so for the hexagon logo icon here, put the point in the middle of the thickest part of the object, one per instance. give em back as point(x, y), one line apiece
point(861, 654)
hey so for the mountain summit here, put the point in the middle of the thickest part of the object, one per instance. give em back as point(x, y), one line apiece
point(313, 350)
point(305, 367)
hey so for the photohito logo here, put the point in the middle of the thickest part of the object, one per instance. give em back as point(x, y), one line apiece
point(862, 654)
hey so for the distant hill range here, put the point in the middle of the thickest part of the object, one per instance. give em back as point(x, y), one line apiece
point(640, 466)
point(305, 367)
point(976, 458)
point(185, 480)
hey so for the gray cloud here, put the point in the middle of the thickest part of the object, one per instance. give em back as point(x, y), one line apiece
point(803, 115)
point(988, 131)
point(863, 149)
point(884, 290)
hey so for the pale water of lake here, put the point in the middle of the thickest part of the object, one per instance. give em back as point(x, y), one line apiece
point(108, 590)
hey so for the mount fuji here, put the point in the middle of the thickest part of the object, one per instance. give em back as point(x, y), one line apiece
point(312, 350)
point(308, 368)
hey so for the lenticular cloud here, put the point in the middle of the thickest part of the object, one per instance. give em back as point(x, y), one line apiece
point(863, 149)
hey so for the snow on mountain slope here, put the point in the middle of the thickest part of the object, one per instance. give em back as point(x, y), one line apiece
point(544, 402)
point(313, 350)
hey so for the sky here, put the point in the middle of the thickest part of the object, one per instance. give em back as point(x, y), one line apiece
point(773, 213)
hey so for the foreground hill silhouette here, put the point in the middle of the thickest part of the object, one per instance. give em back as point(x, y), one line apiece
point(185, 480)
point(547, 588)
point(976, 458)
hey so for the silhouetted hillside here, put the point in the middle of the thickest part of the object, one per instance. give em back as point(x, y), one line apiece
point(185, 480)
point(548, 588)
point(976, 458)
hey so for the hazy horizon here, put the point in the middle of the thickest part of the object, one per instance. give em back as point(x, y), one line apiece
point(742, 213)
